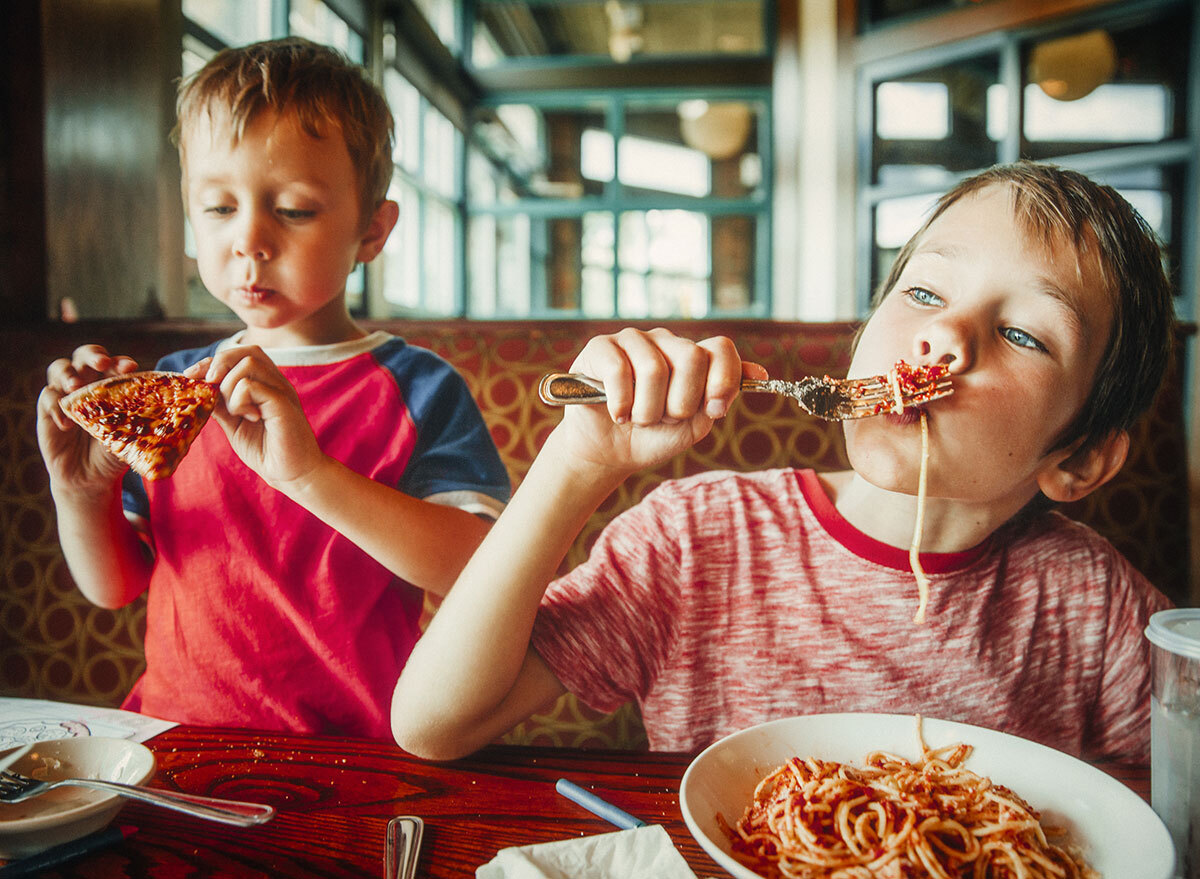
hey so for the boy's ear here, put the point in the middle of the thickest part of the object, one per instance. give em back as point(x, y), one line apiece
point(377, 231)
point(1071, 474)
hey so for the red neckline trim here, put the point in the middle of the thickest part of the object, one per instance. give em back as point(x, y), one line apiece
point(866, 547)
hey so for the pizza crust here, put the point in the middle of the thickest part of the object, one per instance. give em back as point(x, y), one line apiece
point(147, 419)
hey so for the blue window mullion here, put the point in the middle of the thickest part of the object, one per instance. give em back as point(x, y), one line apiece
point(281, 24)
point(614, 193)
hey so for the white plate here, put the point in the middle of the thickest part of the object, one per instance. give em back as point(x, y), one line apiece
point(1119, 833)
point(69, 812)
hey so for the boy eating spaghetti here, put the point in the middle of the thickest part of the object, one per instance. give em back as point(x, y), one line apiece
point(727, 599)
point(350, 472)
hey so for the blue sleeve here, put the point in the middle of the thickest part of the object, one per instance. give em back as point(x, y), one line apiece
point(133, 492)
point(454, 451)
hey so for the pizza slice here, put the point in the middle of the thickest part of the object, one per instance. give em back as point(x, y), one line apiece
point(147, 419)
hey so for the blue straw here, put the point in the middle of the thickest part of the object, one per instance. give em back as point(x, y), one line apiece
point(597, 806)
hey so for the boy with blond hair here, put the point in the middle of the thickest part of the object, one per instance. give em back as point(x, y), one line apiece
point(350, 473)
point(727, 599)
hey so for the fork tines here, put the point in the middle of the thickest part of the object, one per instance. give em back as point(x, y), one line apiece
point(12, 783)
point(876, 395)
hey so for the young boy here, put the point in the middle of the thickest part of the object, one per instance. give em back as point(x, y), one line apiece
point(727, 599)
point(349, 471)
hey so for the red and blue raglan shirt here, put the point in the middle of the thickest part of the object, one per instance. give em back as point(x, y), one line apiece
point(260, 615)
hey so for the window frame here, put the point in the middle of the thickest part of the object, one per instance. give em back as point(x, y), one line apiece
point(1008, 43)
point(615, 200)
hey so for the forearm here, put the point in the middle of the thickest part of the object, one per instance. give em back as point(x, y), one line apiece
point(473, 674)
point(104, 554)
point(424, 543)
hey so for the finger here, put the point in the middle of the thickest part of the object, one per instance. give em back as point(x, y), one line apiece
point(123, 364)
point(85, 365)
point(755, 371)
point(651, 375)
point(199, 369)
point(48, 406)
point(221, 363)
point(243, 390)
point(59, 373)
point(93, 357)
point(603, 358)
point(724, 377)
point(689, 364)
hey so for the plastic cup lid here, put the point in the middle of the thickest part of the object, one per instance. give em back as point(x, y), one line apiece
point(1176, 630)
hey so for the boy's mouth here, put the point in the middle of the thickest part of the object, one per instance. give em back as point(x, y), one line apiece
point(911, 415)
point(252, 294)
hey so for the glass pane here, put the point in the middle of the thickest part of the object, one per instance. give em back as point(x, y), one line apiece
point(541, 152)
point(895, 221)
point(1104, 88)
point(439, 260)
point(695, 147)
point(484, 179)
point(939, 121)
point(733, 257)
point(616, 30)
point(1156, 192)
point(521, 266)
point(441, 148)
point(598, 297)
point(405, 103)
point(499, 266)
point(195, 55)
point(356, 288)
point(402, 252)
point(665, 259)
point(233, 22)
point(316, 21)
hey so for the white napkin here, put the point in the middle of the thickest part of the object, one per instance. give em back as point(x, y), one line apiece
point(640, 853)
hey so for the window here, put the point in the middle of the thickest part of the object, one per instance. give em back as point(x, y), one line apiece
point(420, 262)
point(603, 183)
point(1106, 95)
point(623, 206)
point(211, 25)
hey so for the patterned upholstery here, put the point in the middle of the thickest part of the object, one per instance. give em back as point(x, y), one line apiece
point(54, 644)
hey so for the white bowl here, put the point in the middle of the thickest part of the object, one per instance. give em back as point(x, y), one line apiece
point(1119, 833)
point(69, 812)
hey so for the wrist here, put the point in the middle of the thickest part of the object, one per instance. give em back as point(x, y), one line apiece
point(560, 463)
point(89, 495)
point(310, 484)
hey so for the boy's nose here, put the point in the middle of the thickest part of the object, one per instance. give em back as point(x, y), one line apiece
point(944, 343)
point(252, 240)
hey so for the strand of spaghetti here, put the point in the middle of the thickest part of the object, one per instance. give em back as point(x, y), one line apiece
point(914, 551)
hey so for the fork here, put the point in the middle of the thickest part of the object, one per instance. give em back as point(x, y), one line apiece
point(830, 398)
point(15, 787)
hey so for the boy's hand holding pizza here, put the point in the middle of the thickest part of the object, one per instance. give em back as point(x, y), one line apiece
point(261, 415)
point(77, 462)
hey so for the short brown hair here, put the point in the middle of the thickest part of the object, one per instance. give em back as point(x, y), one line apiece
point(317, 83)
point(1058, 204)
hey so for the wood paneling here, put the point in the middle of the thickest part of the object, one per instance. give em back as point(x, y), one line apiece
point(22, 223)
point(105, 147)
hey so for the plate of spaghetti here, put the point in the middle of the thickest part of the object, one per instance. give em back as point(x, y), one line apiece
point(893, 796)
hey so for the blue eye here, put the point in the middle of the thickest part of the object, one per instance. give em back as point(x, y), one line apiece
point(921, 296)
point(1021, 339)
point(219, 210)
point(296, 214)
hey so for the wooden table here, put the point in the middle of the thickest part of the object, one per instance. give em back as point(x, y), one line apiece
point(334, 797)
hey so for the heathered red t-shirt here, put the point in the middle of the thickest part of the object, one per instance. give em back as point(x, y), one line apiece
point(727, 599)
